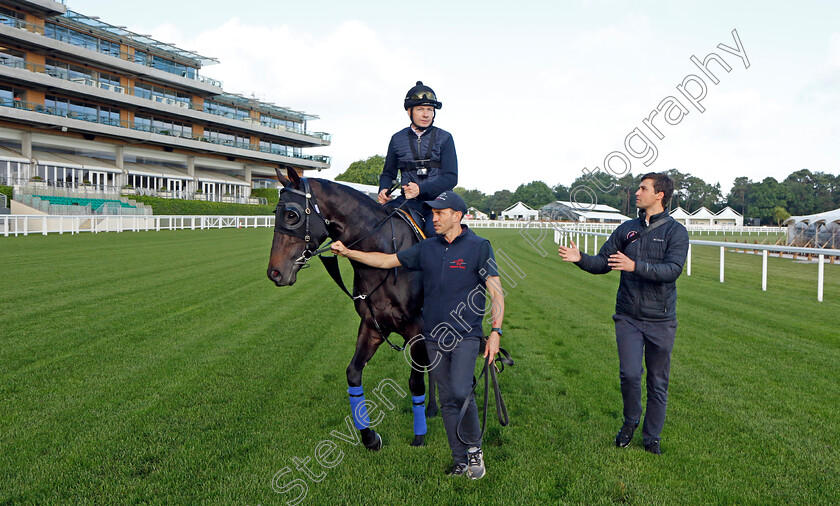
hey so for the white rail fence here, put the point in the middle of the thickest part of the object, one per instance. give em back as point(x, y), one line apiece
point(565, 235)
point(692, 229)
point(40, 224)
point(15, 225)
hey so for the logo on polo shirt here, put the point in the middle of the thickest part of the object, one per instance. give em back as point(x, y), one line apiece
point(458, 264)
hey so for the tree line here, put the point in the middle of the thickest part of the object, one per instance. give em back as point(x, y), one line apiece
point(770, 201)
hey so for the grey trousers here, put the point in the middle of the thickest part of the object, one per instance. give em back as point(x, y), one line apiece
point(453, 373)
point(654, 341)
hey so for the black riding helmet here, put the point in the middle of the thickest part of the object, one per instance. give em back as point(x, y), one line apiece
point(420, 94)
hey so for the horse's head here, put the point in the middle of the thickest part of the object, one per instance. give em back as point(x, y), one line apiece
point(299, 229)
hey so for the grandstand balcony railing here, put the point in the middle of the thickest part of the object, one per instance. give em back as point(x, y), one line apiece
point(104, 120)
point(144, 94)
point(122, 55)
point(71, 189)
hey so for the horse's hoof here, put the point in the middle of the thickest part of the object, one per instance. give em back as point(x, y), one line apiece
point(376, 444)
point(431, 412)
point(419, 440)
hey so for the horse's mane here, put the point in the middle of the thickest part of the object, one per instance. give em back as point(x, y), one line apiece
point(376, 210)
point(367, 213)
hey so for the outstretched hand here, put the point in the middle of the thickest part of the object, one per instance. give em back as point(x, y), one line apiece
point(339, 248)
point(569, 254)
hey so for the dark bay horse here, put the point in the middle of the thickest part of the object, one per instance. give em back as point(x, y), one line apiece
point(309, 211)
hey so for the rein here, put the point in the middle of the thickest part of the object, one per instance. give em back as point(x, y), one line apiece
point(501, 409)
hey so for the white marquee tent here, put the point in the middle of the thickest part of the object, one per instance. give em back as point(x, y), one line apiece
point(520, 212)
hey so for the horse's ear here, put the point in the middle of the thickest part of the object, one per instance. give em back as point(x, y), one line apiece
point(293, 176)
point(280, 177)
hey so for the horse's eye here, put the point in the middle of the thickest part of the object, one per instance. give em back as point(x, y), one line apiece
point(292, 217)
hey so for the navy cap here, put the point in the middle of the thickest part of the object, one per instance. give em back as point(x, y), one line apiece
point(448, 200)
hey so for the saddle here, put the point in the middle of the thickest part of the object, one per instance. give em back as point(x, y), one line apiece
point(415, 221)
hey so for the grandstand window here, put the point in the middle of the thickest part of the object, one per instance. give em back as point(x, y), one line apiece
point(226, 110)
point(10, 172)
point(10, 17)
point(109, 79)
point(162, 126)
point(9, 95)
point(80, 39)
point(273, 121)
point(64, 70)
point(11, 57)
point(109, 116)
point(82, 110)
point(141, 57)
point(108, 47)
point(227, 138)
point(172, 67)
point(274, 147)
point(142, 90)
point(143, 122)
point(160, 94)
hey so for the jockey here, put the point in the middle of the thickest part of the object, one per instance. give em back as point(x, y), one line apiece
point(423, 154)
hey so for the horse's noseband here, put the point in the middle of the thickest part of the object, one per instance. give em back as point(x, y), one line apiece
point(293, 211)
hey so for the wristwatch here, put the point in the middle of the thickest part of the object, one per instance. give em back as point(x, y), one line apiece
point(497, 330)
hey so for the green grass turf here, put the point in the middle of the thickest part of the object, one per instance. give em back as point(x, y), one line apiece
point(163, 367)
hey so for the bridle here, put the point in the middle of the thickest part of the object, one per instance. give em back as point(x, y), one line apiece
point(292, 212)
point(295, 209)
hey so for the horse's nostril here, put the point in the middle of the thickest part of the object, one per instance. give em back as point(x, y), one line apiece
point(275, 274)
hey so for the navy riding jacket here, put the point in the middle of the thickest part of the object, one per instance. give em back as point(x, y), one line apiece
point(441, 178)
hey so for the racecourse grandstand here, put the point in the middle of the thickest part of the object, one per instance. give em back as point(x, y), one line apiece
point(820, 230)
point(88, 107)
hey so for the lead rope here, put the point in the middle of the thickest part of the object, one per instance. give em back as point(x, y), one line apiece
point(501, 409)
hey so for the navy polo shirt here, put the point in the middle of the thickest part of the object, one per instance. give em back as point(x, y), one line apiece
point(454, 276)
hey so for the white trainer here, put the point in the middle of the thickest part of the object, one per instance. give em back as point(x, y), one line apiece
point(475, 463)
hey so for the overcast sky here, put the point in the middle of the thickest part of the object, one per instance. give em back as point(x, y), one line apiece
point(531, 90)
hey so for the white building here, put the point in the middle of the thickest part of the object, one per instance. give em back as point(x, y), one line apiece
point(701, 216)
point(729, 216)
point(680, 215)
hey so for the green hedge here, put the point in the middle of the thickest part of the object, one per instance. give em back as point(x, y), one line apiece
point(9, 192)
point(190, 207)
point(270, 194)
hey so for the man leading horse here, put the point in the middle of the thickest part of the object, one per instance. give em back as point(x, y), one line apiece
point(457, 267)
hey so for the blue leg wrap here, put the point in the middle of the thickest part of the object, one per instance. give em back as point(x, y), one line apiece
point(360, 414)
point(419, 408)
